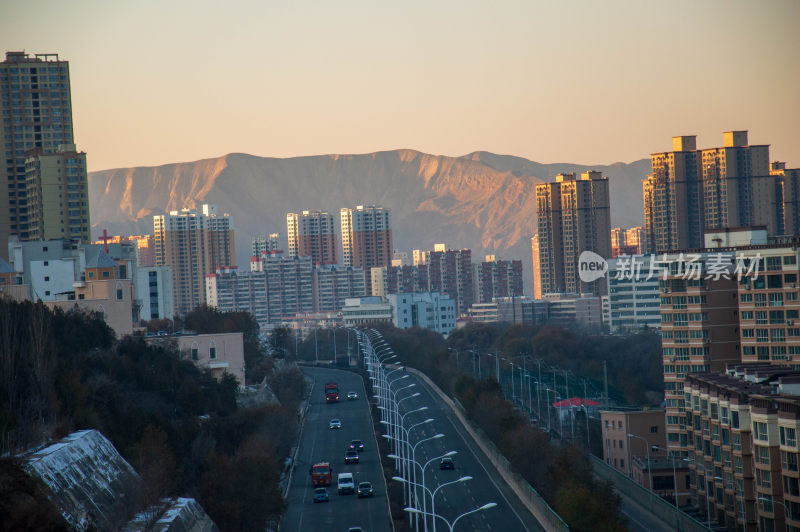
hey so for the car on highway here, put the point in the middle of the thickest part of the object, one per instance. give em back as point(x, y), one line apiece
point(351, 457)
point(321, 495)
point(335, 424)
point(355, 529)
point(447, 463)
point(351, 396)
point(365, 489)
point(346, 484)
point(356, 445)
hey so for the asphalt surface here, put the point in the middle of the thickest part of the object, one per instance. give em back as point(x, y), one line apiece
point(456, 499)
point(322, 444)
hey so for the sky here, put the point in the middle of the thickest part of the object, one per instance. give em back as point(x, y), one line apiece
point(589, 82)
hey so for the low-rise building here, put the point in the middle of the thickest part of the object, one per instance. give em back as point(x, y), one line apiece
point(429, 310)
point(370, 310)
point(219, 353)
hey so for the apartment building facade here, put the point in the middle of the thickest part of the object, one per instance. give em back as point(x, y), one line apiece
point(333, 285)
point(312, 234)
point(634, 301)
point(573, 216)
point(57, 194)
point(35, 92)
point(366, 236)
point(497, 278)
point(193, 244)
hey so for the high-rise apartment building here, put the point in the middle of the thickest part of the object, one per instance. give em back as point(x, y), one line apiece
point(692, 190)
point(450, 272)
point(788, 185)
point(193, 244)
point(36, 114)
point(537, 276)
point(261, 244)
point(289, 284)
point(673, 217)
point(312, 234)
point(497, 278)
point(57, 194)
point(737, 188)
point(366, 237)
point(230, 290)
point(573, 216)
point(332, 285)
point(626, 241)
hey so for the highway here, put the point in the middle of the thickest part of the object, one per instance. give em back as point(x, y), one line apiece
point(485, 486)
point(319, 443)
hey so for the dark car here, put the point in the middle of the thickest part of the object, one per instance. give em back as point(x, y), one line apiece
point(321, 495)
point(357, 445)
point(351, 457)
point(365, 489)
point(447, 463)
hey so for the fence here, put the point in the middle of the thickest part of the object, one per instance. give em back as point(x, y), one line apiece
point(649, 501)
point(534, 502)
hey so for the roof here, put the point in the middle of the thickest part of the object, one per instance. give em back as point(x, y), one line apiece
point(5, 267)
point(101, 260)
point(575, 401)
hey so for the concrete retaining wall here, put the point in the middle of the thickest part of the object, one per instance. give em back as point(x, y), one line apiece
point(650, 502)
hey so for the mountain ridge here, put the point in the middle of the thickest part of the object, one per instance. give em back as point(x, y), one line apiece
point(480, 200)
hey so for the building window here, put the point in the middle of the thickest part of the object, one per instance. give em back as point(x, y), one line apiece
point(195, 353)
point(212, 352)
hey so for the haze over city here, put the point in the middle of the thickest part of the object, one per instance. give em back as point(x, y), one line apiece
point(583, 82)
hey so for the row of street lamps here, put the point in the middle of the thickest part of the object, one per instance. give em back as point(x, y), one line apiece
point(400, 438)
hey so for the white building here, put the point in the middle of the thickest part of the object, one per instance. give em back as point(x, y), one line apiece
point(229, 290)
point(358, 311)
point(153, 286)
point(429, 310)
point(633, 295)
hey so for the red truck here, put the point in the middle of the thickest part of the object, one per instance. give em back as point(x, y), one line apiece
point(331, 392)
point(321, 474)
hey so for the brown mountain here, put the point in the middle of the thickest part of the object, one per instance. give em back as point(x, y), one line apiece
point(482, 200)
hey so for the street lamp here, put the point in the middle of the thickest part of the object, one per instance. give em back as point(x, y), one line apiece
point(456, 350)
point(647, 448)
point(772, 510)
point(453, 524)
point(433, 494)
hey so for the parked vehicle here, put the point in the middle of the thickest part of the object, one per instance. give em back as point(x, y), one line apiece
point(331, 392)
point(346, 484)
point(321, 474)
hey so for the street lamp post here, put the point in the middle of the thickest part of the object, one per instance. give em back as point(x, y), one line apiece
point(456, 350)
point(647, 448)
point(452, 525)
point(785, 509)
point(433, 494)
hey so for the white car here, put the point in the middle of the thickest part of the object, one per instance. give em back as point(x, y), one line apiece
point(335, 424)
point(352, 395)
point(346, 483)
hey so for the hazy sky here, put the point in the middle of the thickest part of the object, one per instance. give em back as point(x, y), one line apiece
point(566, 81)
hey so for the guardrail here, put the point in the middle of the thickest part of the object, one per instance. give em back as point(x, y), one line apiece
point(649, 501)
point(535, 503)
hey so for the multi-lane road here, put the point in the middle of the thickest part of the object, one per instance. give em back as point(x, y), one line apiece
point(320, 443)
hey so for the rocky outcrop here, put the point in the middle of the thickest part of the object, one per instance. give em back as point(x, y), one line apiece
point(88, 480)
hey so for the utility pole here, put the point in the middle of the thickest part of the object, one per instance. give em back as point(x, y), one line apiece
point(605, 384)
point(586, 413)
point(571, 412)
point(497, 365)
